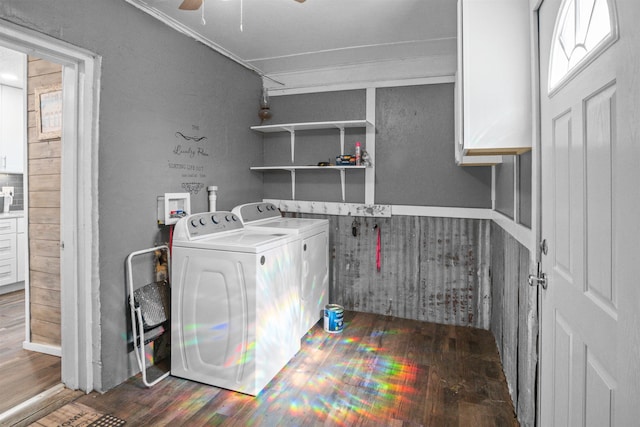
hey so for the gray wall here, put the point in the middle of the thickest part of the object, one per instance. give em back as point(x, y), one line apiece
point(506, 185)
point(524, 188)
point(155, 83)
point(414, 149)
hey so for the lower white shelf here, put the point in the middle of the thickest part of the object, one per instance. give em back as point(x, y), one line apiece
point(292, 169)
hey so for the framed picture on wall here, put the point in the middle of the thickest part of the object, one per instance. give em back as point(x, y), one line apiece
point(48, 103)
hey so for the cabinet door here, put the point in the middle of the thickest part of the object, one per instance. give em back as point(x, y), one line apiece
point(8, 246)
point(12, 129)
point(494, 69)
point(7, 271)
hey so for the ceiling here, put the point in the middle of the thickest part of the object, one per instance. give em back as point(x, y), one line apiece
point(323, 42)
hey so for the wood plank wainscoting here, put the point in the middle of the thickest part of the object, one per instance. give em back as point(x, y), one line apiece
point(44, 214)
point(379, 371)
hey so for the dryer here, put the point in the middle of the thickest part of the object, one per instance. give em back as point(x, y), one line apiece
point(313, 246)
point(234, 308)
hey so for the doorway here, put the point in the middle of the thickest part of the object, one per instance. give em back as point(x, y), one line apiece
point(80, 332)
point(30, 227)
point(589, 209)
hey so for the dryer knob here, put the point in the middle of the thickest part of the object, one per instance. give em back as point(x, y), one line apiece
point(234, 218)
point(202, 221)
point(214, 219)
point(227, 218)
point(194, 223)
point(259, 208)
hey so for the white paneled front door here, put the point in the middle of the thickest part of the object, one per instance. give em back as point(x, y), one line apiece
point(584, 377)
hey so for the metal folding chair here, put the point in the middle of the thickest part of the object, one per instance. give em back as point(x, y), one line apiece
point(150, 312)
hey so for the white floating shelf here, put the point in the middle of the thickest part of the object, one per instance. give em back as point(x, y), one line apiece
point(292, 127)
point(340, 125)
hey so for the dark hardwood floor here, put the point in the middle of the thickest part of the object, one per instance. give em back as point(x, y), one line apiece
point(23, 374)
point(380, 371)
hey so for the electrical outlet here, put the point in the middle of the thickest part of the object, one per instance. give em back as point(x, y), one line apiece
point(8, 191)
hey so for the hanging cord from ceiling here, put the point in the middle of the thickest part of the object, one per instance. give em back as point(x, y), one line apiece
point(204, 21)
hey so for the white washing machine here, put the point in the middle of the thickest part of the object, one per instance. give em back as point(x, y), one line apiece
point(313, 244)
point(234, 305)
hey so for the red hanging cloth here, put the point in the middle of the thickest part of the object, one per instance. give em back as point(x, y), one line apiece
point(378, 250)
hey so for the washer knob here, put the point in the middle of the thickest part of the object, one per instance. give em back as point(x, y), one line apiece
point(259, 208)
point(214, 219)
point(202, 221)
point(194, 223)
point(234, 218)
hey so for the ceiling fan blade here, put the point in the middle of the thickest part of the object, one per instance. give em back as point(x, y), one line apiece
point(190, 5)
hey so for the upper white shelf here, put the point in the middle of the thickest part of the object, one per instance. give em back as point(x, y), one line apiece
point(292, 127)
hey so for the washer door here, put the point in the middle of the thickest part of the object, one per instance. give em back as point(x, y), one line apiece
point(211, 324)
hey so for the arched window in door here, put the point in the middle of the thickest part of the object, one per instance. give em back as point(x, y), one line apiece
point(583, 30)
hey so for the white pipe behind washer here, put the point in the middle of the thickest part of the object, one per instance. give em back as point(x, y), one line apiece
point(213, 195)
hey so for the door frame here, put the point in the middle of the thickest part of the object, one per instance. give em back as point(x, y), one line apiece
point(536, 172)
point(79, 268)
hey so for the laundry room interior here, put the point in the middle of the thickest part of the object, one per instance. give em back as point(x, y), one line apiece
point(426, 195)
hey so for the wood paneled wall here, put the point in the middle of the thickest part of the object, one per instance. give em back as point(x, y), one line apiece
point(432, 269)
point(44, 215)
point(514, 320)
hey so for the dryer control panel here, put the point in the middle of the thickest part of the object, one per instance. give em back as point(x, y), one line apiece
point(204, 224)
point(256, 211)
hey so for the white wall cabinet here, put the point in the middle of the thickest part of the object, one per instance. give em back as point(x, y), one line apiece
point(493, 81)
point(12, 129)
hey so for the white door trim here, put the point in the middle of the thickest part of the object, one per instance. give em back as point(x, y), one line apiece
point(79, 227)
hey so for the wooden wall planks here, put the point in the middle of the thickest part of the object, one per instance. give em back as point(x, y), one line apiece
point(514, 320)
point(433, 269)
point(44, 214)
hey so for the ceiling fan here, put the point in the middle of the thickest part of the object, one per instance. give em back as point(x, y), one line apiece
point(195, 4)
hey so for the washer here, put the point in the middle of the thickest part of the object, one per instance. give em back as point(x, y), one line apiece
point(313, 244)
point(234, 309)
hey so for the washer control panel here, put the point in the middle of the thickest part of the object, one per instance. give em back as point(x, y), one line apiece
point(202, 224)
point(256, 211)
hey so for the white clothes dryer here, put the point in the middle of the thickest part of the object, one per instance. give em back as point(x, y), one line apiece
point(313, 246)
point(234, 308)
